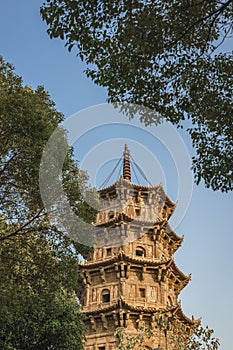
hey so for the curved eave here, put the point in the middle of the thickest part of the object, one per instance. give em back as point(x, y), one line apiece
point(145, 188)
point(168, 199)
point(128, 184)
point(181, 285)
point(172, 234)
point(146, 309)
point(122, 257)
point(123, 217)
point(185, 282)
point(144, 261)
point(122, 304)
point(180, 314)
point(111, 187)
point(138, 188)
point(179, 273)
point(125, 258)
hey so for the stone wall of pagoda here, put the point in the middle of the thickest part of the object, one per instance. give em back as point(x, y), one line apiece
point(131, 275)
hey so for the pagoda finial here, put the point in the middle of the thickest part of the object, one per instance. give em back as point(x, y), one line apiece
point(126, 165)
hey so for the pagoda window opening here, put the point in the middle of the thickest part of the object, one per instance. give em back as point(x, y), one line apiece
point(101, 348)
point(140, 252)
point(111, 214)
point(142, 292)
point(106, 296)
point(109, 251)
point(137, 212)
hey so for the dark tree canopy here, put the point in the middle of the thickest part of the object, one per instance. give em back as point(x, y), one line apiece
point(27, 119)
point(38, 306)
point(38, 263)
point(165, 55)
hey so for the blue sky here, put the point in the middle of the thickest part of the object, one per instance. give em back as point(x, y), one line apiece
point(207, 248)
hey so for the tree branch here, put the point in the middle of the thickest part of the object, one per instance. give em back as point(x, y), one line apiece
point(9, 160)
point(217, 12)
point(12, 234)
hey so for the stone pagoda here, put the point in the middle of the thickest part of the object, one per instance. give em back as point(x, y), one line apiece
point(131, 275)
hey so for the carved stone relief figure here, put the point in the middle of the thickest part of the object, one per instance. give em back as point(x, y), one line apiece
point(153, 293)
point(94, 295)
point(132, 293)
point(114, 291)
point(150, 251)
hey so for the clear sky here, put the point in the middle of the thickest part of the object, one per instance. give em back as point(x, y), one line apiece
point(207, 248)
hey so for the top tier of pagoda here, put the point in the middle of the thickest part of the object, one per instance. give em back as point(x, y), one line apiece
point(148, 204)
point(130, 211)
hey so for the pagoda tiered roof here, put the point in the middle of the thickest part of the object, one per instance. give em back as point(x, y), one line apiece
point(125, 183)
point(121, 181)
point(143, 261)
point(180, 313)
point(122, 217)
point(123, 304)
point(178, 272)
point(175, 310)
point(172, 233)
point(123, 257)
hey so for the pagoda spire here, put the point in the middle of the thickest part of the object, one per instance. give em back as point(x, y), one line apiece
point(126, 165)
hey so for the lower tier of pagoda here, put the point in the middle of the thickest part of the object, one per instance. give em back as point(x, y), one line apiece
point(103, 323)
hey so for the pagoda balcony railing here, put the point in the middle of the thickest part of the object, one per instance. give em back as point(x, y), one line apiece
point(136, 302)
point(97, 306)
point(146, 303)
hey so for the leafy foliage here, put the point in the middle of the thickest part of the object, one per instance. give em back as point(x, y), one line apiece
point(165, 55)
point(127, 341)
point(174, 333)
point(38, 307)
point(27, 119)
point(38, 263)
